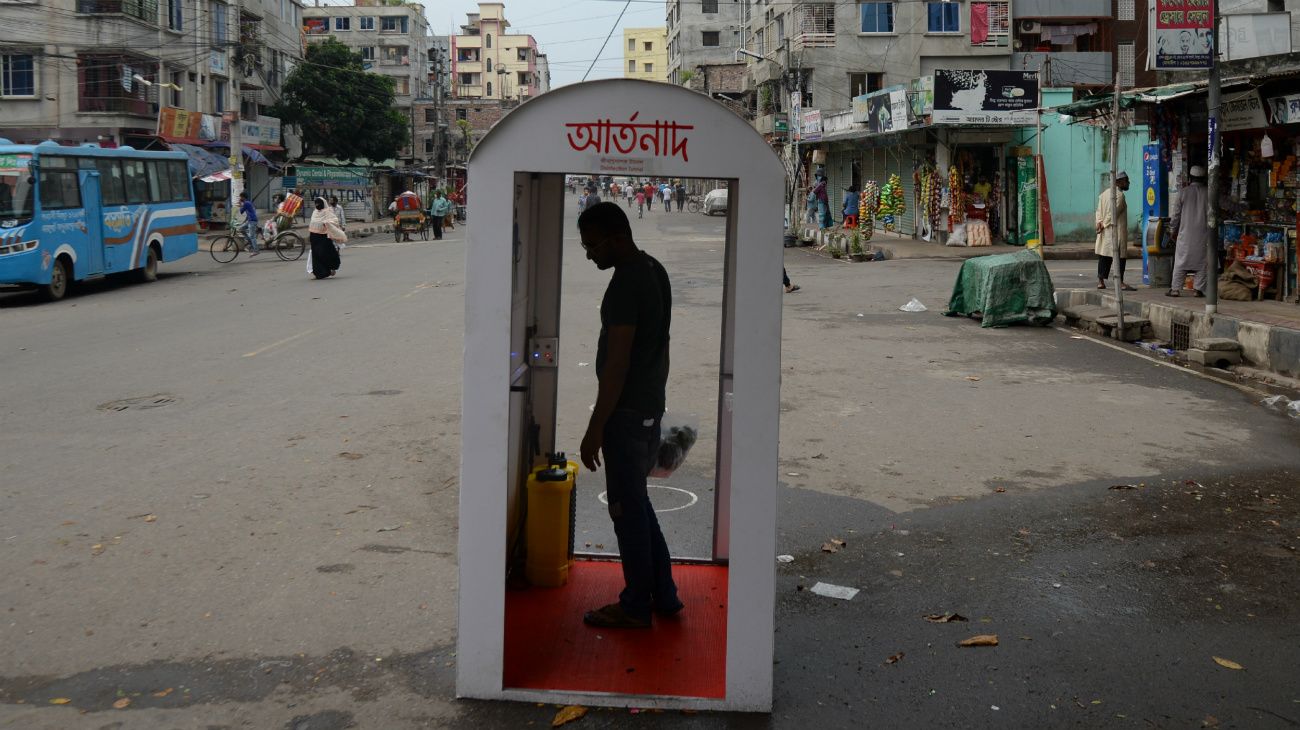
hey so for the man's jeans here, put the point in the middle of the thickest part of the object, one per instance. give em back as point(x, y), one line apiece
point(631, 445)
point(250, 231)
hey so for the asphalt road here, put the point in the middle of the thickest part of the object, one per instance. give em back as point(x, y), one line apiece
point(230, 498)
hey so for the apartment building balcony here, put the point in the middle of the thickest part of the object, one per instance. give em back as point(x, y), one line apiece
point(771, 123)
point(1067, 68)
point(814, 26)
point(146, 10)
point(100, 85)
point(1046, 9)
point(469, 67)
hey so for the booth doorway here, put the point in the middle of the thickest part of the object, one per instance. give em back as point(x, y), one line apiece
point(547, 646)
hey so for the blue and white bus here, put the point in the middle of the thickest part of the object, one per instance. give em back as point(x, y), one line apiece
point(69, 214)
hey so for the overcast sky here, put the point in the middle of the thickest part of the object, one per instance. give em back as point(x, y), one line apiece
point(569, 32)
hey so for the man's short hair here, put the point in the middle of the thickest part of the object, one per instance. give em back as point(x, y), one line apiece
point(605, 218)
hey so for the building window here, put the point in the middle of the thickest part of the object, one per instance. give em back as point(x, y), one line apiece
point(1126, 59)
point(393, 24)
point(631, 45)
point(366, 23)
point(943, 17)
point(367, 53)
point(990, 24)
point(341, 24)
point(395, 56)
point(17, 75)
point(523, 55)
point(487, 41)
point(178, 84)
point(175, 15)
point(1126, 10)
point(430, 115)
point(489, 88)
point(146, 10)
point(489, 65)
point(402, 86)
point(631, 67)
point(100, 84)
point(466, 79)
point(649, 68)
point(219, 95)
point(218, 15)
point(708, 6)
point(462, 114)
point(649, 47)
point(710, 38)
point(877, 17)
point(857, 84)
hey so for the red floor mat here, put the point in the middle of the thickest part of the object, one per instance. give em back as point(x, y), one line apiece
point(548, 646)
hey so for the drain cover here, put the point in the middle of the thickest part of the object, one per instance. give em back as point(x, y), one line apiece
point(143, 403)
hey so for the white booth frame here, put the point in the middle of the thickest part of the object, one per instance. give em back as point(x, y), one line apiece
point(674, 132)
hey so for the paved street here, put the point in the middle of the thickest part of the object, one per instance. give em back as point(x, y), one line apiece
point(230, 497)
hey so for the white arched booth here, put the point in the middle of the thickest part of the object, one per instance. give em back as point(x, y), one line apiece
point(512, 309)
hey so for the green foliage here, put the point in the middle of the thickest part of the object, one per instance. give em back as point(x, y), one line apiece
point(765, 99)
point(857, 243)
point(340, 109)
point(686, 77)
point(467, 135)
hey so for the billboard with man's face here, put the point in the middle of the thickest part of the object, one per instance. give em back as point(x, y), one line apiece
point(1181, 34)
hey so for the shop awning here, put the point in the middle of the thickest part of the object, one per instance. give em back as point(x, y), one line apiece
point(217, 176)
point(202, 162)
point(253, 152)
point(1101, 103)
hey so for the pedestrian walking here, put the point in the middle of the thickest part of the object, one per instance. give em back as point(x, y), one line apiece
point(339, 212)
point(1112, 233)
point(823, 202)
point(785, 281)
point(249, 225)
point(439, 208)
point(640, 203)
point(632, 372)
point(323, 231)
point(680, 193)
point(649, 196)
point(630, 191)
point(668, 199)
point(1191, 234)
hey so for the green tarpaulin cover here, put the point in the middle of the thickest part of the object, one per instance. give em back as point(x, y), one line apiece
point(1005, 289)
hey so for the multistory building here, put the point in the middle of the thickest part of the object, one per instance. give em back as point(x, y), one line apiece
point(702, 33)
point(645, 53)
point(393, 40)
point(489, 62)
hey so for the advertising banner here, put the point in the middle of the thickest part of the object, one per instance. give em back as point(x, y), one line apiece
point(1243, 112)
point(882, 111)
point(1285, 109)
point(812, 125)
point(985, 97)
point(176, 124)
point(1027, 201)
point(921, 93)
point(1181, 34)
point(796, 114)
point(331, 177)
point(1252, 35)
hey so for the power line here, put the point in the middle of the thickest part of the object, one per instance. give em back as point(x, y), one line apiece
point(607, 37)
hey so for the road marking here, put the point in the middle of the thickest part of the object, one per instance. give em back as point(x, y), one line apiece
point(605, 501)
point(1160, 364)
point(363, 311)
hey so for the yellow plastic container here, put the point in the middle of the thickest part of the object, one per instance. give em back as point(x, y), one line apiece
point(549, 526)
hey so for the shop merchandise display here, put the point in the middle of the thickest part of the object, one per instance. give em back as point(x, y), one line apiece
point(868, 204)
point(893, 202)
point(956, 195)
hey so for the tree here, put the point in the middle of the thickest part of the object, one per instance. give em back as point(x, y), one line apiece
point(686, 77)
point(467, 138)
point(340, 108)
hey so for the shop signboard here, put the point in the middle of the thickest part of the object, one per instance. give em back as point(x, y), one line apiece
point(178, 124)
point(316, 26)
point(1251, 35)
point(218, 64)
point(812, 125)
point(882, 111)
point(796, 113)
point(1285, 109)
point(332, 177)
point(1243, 112)
point(985, 97)
point(210, 127)
point(263, 131)
point(1153, 182)
point(1181, 36)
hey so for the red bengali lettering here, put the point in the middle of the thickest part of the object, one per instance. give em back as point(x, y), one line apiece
point(660, 138)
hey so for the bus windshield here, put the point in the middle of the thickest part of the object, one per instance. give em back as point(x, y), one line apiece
point(17, 199)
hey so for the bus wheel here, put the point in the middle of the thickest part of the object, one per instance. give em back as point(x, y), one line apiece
point(58, 286)
point(150, 270)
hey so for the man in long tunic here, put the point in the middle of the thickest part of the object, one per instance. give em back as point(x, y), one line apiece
point(1112, 233)
point(1191, 233)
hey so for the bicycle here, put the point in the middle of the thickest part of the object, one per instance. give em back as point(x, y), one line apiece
point(288, 246)
point(694, 203)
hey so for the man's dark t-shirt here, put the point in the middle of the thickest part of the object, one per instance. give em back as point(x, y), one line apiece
point(639, 294)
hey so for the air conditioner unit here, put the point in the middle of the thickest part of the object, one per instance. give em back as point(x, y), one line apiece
point(1031, 26)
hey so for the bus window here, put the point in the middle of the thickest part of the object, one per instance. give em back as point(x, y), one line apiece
point(179, 172)
point(15, 188)
point(59, 189)
point(137, 182)
point(160, 186)
point(111, 188)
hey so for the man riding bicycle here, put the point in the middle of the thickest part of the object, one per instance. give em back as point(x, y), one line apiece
point(249, 226)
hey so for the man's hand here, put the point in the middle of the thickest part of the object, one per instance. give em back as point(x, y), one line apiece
point(1100, 228)
point(590, 449)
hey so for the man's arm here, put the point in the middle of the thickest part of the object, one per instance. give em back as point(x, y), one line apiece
point(618, 359)
point(1103, 214)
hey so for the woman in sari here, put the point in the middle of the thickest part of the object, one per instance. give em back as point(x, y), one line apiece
point(322, 231)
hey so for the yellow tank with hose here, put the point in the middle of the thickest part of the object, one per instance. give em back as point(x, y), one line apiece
point(549, 525)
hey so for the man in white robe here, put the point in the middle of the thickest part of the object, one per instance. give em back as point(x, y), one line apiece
point(1191, 233)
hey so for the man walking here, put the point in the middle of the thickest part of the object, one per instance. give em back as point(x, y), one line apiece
point(1191, 234)
point(632, 371)
point(1112, 233)
point(439, 208)
point(680, 192)
point(249, 226)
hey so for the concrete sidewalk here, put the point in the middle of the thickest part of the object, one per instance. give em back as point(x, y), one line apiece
point(898, 246)
point(1268, 331)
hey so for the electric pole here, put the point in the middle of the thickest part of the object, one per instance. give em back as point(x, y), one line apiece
point(1213, 99)
point(237, 94)
point(1117, 222)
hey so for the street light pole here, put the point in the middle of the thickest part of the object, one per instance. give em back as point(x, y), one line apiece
point(1213, 99)
point(1117, 223)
